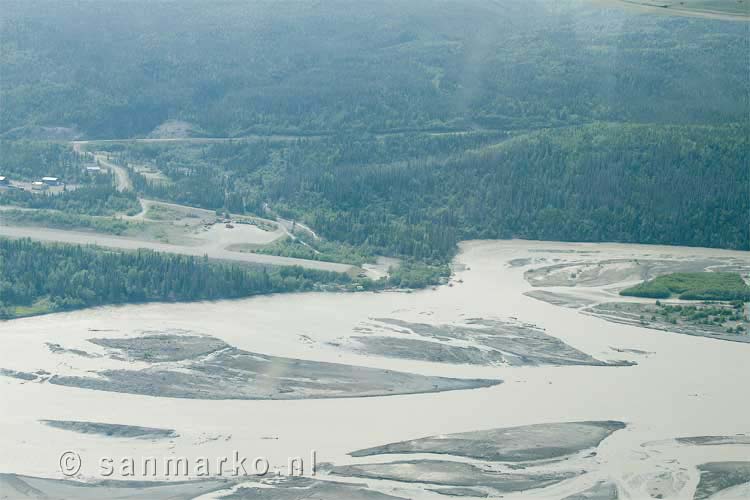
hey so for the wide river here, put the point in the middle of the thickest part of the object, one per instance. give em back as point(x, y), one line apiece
point(681, 385)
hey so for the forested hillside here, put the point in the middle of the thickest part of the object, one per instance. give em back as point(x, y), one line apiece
point(120, 69)
point(687, 185)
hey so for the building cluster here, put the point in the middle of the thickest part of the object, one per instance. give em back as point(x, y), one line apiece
point(46, 182)
point(41, 185)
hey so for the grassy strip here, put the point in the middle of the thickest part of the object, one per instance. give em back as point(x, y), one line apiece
point(324, 251)
point(63, 220)
point(693, 286)
point(411, 273)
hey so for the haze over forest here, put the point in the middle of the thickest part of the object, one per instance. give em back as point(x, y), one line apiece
point(444, 248)
point(393, 128)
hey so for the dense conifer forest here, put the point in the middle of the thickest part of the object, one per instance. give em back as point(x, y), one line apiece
point(39, 278)
point(120, 69)
point(683, 185)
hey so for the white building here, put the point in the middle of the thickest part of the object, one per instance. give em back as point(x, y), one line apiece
point(39, 186)
point(51, 181)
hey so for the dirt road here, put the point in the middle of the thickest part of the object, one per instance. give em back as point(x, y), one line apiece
point(213, 252)
point(122, 179)
point(213, 249)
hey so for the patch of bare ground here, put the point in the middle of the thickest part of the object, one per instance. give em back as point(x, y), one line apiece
point(203, 367)
point(478, 342)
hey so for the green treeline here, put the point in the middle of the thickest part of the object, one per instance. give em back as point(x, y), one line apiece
point(366, 66)
point(89, 200)
point(197, 187)
point(64, 220)
point(32, 160)
point(37, 278)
